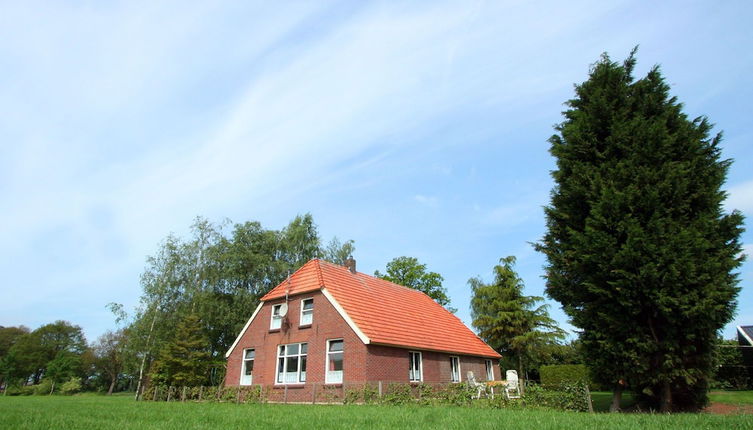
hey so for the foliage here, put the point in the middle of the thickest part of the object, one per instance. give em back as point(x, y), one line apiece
point(72, 386)
point(219, 274)
point(337, 252)
point(408, 272)
point(639, 252)
point(59, 344)
point(556, 375)
point(567, 397)
point(183, 360)
point(729, 367)
point(109, 350)
point(510, 322)
point(43, 388)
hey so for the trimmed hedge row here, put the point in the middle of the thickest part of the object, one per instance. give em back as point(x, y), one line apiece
point(564, 374)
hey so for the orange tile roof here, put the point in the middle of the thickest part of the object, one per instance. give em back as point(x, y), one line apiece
point(386, 313)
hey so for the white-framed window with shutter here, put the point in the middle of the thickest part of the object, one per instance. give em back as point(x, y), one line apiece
point(335, 357)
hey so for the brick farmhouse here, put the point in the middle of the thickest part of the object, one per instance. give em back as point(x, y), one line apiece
point(328, 325)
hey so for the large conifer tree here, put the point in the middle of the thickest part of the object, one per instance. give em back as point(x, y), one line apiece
point(639, 252)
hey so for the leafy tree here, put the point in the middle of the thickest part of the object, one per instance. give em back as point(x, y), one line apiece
point(32, 352)
point(64, 366)
point(184, 360)
point(109, 357)
point(8, 337)
point(219, 274)
point(408, 272)
point(639, 252)
point(514, 324)
point(337, 252)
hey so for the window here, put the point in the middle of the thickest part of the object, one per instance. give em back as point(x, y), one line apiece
point(276, 322)
point(334, 373)
point(489, 371)
point(455, 369)
point(414, 372)
point(307, 311)
point(247, 371)
point(291, 363)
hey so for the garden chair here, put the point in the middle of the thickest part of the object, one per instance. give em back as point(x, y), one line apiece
point(512, 387)
point(480, 387)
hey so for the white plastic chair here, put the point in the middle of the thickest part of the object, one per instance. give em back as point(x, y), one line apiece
point(480, 387)
point(512, 386)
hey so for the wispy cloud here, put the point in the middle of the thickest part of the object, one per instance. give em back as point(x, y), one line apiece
point(426, 200)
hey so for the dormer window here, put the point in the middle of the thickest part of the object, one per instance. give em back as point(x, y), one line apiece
point(307, 311)
point(276, 321)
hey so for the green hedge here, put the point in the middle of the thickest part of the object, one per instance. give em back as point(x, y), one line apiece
point(564, 374)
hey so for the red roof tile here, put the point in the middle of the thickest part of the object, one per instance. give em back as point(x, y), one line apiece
point(386, 313)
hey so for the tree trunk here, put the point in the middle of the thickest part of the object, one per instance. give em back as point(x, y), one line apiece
point(143, 360)
point(52, 388)
point(665, 400)
point(616, 398)
point(112, 386)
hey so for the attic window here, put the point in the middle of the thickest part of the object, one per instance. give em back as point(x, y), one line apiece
point(276, 321)
point(307, 311)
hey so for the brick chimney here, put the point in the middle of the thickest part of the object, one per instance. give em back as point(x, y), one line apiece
point(350, 263)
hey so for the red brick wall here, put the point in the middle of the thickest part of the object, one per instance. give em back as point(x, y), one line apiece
point(362, 363)
point(327, 324)
point(387, 363)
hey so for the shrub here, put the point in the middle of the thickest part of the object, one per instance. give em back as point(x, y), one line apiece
point(72, 386)
point(556, 375)
point(44, 387)
point(568, 397)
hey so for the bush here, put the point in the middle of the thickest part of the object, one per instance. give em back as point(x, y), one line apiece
point(72, 386)
point(24, 390)
point(568, 397)
point(559, 374)
point(44, 387)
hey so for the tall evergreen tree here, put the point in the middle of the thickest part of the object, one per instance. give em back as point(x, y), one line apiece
point(184, 360)
point(639, 252)
point(514, 324)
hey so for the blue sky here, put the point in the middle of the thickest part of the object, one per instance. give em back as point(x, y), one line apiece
point(413, 128)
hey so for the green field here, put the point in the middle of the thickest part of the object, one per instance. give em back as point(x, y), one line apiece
point(121, 412)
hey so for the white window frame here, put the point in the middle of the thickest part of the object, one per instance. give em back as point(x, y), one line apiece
point(275, 322)
point(455, 373)
point(300, 375)
point(489, 370)
point(411, 370)
point(332, 378)
point(244, 363)
point(308, 312)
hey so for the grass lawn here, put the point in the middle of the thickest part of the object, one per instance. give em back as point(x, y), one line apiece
point(603, 399)
point(121, 412)
point(732, 397)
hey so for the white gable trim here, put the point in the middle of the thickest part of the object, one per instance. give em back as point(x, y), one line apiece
point(345, 316)
point(745, 335)
point(238, 339)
